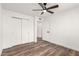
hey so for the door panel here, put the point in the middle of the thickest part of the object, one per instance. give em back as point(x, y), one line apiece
point(25, 31)
point(12, 31)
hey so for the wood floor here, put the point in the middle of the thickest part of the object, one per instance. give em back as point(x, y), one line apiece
point(41, 48)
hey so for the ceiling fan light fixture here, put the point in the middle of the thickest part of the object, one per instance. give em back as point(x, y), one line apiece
point(44, 10)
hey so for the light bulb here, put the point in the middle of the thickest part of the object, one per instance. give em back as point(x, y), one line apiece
point(44, 10)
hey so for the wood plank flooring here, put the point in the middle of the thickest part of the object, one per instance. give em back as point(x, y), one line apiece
point(41, 48)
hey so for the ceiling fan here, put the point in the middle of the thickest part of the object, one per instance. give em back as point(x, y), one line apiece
point(45, 9)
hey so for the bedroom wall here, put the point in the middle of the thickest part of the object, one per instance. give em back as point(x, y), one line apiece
point(62, 28)
point(0, 29)
point(17, 31)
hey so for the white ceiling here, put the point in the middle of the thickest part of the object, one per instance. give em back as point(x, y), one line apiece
point(26, 8)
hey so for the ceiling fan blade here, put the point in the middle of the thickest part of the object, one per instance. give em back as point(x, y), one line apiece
point(37, 10)
point(55, 6)
point(42, 13)
point(41, 4)
point(50, 12)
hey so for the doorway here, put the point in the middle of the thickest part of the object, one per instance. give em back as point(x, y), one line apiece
point(39, 30)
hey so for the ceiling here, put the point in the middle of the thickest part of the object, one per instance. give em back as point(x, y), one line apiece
point(27, 8)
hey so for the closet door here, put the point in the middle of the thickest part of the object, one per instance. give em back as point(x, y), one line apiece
point(12, 31)
point(25, 31)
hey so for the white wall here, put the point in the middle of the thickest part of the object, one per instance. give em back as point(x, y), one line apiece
point(0, 30)
point(63, 28)
point(17, 31)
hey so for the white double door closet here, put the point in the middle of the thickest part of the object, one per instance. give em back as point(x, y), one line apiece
point(17, 31)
